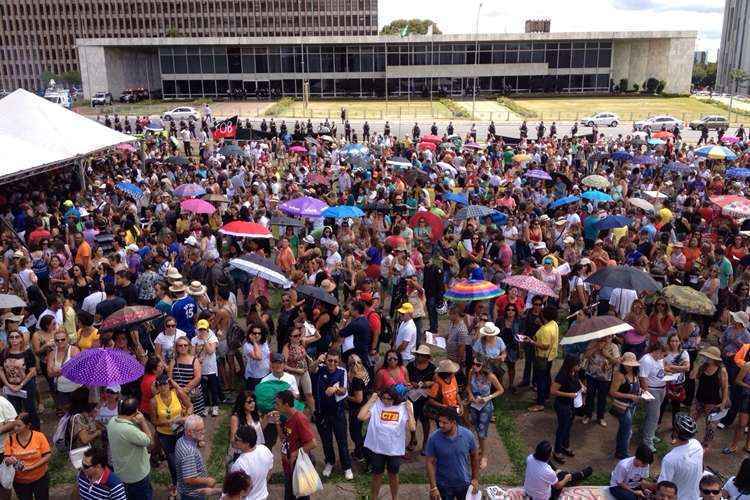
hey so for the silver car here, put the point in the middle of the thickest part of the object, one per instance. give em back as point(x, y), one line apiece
point(182, 113)
point(658, 122)
point(606, 119)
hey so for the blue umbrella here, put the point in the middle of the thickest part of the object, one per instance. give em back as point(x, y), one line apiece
point(738, 172)
point(644, 160)
point(154, 126)
point(598, 196)
point(679, 167)
point(355, 149)
point(342, 212)
point(461, 198)
point(564, 201)
point(499, 219)
point(656, 142)
point(130, 189)
point(621, 156)
point(73, 212)
point(612, 222)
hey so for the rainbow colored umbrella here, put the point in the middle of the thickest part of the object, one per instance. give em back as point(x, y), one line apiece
point(197, 206)
point(470, 290)
point(714, 152)
point(243, 229)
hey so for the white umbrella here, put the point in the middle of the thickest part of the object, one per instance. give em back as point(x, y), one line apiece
point(656, 195)
point(642, 204)
point(8, 301)
point(447, 166)
point(261, 267)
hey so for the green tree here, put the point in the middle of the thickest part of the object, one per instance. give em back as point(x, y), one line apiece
point(738, 76)
point(704, 75)
point(72, 77)
point(416, 27)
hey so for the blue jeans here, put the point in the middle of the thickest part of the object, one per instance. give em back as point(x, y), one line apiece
point(168, 443)
point(620, 493)
point(542, 380)
point(564, 424)
point(624, 431)
point(596, 392)
point(211, 389)
point(453, 492)
point(140, 490)
point(528, 364)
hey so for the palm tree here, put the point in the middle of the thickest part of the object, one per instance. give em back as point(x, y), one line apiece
point(738, 76)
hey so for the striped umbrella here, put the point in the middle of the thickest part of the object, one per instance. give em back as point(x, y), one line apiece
point(470, 290)
point(715, 152)
point(242, 229)
point(538, 174)
point(476, 211)
point(530, 284)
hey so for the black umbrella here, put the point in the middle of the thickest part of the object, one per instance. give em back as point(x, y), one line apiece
point(627, 277)
point(286, 221)
point(231, 150)
point(413, 176)
point(317, 293)
point(177, 160)
point(379, 206)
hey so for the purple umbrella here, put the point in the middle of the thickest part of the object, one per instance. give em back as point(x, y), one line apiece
point(303, 207)
point(538, 174)
point(644, 160)
point(101, 367)
point(189, 191)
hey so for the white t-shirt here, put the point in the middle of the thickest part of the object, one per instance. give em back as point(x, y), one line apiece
point(407, 332)
point(684, 467)
point(208, 360)
point(677, 359)
point(7, 414)
point(734, 493)
point(622, 300)
point(539, 479)
point(652, 371)
point(256, 464)
point(167, 342)
point(626, 472)
point(91, 301)
point(286, 377)
point(386, 430)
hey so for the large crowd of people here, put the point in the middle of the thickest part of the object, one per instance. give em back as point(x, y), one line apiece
point(339, 329)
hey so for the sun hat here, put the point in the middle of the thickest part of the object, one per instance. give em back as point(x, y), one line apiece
point(174, 274)
point(328, 285)
point(423, 349)
point(177, 287)
point(629, 359)
point(584, 261)
point(741, 317)
point(202, 324)
point(712, 352)
point(309, 239)
point(489, 330)
point(196, 288)
point(406, 308)
point(191, 241)
point(18, 254)
point(132, 247)
point(446, 366)
point(9, 316)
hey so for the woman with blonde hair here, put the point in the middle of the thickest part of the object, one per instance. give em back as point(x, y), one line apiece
point(358, 382)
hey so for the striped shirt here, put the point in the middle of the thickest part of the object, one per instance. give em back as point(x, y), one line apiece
point(189, 463)
point(108, 487)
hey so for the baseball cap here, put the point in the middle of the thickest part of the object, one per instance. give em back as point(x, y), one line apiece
point(202, 324)
point(406, 308)
point(277, 357)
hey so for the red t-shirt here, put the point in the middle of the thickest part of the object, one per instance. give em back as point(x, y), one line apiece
point(146, 383)
point(296, 431)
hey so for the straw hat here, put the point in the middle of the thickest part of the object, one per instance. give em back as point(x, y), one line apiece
point(196, 288)
point(174, 274)
point(328, 285)
point(712, 352)
point(569, 240)
point(423, 349)
point(489, 330)
point(309, 239)
point(447, 366)
point(741, 317)
point(629, 359)
point(16, 318)
point(177, 287)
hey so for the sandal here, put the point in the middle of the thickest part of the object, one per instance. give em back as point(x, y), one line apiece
point(728, 451)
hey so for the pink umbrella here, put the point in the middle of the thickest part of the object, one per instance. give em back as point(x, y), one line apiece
point(427, 145)
point(729, 139)
point(432, 138)
point(473, 145)
point(531, 284)
point(243, 229)
point(298, 149)
point(125, 147)
point(197, 206)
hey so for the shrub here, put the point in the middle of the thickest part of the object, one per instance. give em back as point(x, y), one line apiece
point(516, 108)
point(651, 85)
point(660, 87)
point(624, 84)
point(455, 108)
point(636, 87)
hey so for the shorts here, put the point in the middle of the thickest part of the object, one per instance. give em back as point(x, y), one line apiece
point(744, 404)
point(222, 348)
point(379, 463)
point(304, 383)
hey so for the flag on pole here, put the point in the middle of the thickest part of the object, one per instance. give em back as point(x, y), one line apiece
point(226, 129)
point(405, 31)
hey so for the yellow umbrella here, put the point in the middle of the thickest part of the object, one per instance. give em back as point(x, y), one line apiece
point(521, 157)
point(688, 300)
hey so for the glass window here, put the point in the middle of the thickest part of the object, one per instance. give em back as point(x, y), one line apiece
point(315, 87)
point(498, 57)
point(274, 62)
point(577, 59)
point(206, 50)
point(234, 59)
point(564, 58)
point(183, 88)
point(367, 61)
point(313, 63)
point(287, 64)
point(589, 82)
point(248, 63)
point(602, 81)
point(579, 45)
point(511, 54)
point(261, 61)
point(209, 87)
point(327, 60)
point(485, 57)
point(180, 64)
point(167, 64)
point(576, 82)
point(168, 88)
point(194, 64)
point(380, 64)
point(524, 56)
point(248, 86)
point(220, 63)
point(196, 88)
point(179, 50)
point(207, 63)
point(550, 57)
point(445, 58)
point(605, 58)
point(605, 45)
point(164, 51)
point(393, 59)
point(352, 60)
point(523, 83)
point(591, 57)
point(592, 45)
point(222, 86)
point(340, 59)
point(564, 45)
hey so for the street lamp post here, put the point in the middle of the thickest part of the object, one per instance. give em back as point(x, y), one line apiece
point(476, 62)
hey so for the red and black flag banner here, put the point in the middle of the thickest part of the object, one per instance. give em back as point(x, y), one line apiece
point(225, 129)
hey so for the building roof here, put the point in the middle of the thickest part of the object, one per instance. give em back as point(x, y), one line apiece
point(377, 39)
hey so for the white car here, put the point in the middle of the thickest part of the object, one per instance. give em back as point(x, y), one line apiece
point(658, 122)
point(606, 119)
point(183, 113)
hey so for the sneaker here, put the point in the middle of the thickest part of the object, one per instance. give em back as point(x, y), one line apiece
point(602, 423)
point(585, 420)
point(215, 411)
point(721, 425)
point(348, 474)
point(327, 470)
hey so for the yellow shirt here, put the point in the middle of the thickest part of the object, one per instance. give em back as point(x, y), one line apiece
point(618, 233)
point(167, 413)
point(69, 323)
point(88, 341)
point(548, 334)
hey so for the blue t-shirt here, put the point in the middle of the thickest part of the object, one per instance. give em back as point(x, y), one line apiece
point(184, 310)
point(453, 469)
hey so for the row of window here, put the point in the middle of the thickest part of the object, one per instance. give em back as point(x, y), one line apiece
point(369, 58)
point(377, 87)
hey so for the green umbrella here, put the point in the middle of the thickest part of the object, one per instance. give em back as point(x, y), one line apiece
point(688, 300)
point(265, 395)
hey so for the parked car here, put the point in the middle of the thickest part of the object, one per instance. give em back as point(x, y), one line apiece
point(182, 113)
point(101, 99)
point(134, 95)
point(711, 122)
point(658, 122)
point(606, 119)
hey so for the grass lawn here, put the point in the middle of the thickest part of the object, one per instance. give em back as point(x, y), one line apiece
point(627, 108)
point(370, 109)
point(486, 110)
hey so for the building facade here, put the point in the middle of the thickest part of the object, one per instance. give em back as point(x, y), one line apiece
point(376, 66)
point(700, 57)
point(734, 50)
point(40, 35)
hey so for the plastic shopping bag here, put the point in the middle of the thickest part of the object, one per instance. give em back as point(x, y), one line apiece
point(305, 479)
point(7, 473)
point(473, 496)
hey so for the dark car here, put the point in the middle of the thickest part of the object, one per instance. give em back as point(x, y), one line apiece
point(711, 122)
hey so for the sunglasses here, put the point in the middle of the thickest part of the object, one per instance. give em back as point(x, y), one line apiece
point(60, 341)
point(171, 325)
point(86, 466)
point(710, 492)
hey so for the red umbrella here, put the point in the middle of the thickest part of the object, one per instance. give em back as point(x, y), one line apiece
point(243, 229)
point(663, 134)
point(395, 241)
point(435, 223)
point(39, 234)
point(432, 138)
point(129, 316)
point(427, 145)
point(313, 179)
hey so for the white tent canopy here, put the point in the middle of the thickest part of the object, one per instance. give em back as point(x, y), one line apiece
point(36, 134)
